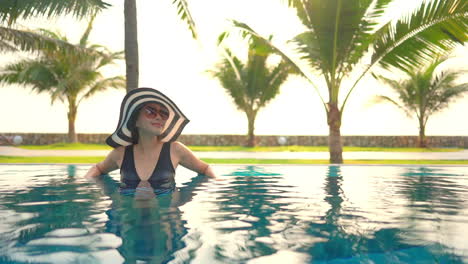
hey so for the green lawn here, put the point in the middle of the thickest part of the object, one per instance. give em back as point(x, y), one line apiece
point(67, 146)
point(79, 146)
point(89, 160)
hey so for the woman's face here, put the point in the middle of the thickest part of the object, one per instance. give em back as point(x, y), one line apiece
point(152, 118)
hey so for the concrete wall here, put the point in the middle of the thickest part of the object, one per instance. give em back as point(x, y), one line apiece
point(236, 140)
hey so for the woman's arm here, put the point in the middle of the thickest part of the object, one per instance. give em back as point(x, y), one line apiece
point(110, 163)
point(187, 159)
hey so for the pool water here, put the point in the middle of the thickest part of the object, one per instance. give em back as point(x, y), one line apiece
point(255, 214)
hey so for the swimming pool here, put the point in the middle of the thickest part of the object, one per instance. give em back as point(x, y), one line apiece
point(258, 214)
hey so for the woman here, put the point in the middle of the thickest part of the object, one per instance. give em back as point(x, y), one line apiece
point(151, 229)
point(145, 146)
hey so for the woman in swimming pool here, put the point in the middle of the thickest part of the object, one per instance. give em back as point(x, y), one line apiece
point(145, 146)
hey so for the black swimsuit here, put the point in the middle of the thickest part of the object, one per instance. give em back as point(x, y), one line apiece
point(162, 179)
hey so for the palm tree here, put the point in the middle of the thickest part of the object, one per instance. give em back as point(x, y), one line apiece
point(131, 44)
point(251, 85)
point(13, 39)
point(341, 34)
point(67, 76)
point(131, 37)
point(425, 92)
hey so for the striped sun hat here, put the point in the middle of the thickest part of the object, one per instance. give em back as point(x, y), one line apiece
point(132, 103)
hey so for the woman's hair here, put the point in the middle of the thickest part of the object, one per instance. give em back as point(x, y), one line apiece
point(132, 125)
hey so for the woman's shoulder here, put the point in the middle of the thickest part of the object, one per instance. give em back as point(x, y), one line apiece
point(120, 149)
point(178, 147)
point(117, 153)
point(177, 144)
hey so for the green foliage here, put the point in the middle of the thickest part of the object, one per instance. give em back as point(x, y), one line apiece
point(414, 40)
point(340, 34)
point(11, 10)
point(425, 91)
point(65, 74)
point(69, 76)
point(254, 84)
point(184, 13)
point(14, 38)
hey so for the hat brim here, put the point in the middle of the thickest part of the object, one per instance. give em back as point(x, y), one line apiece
point(132, 102)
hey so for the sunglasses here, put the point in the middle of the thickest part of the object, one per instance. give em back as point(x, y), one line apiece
point(151, 113)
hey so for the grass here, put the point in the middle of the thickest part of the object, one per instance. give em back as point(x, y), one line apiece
point(85, 160)
point(67, 146)
point(88, 160)
point(80, 146)
point(316, 149)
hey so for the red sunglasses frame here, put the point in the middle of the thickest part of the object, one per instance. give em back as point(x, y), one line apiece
point(151, 113)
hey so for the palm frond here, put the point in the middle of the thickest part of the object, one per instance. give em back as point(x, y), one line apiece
point(303, 11)
point(85, 36)
point(434, 28)
point(184, 13)
point(364, 35)
point(309, 49)
point(14, 39)
point(276, 77)
point(378, 9)
point(444, 91)
point(235, 63)
point(389, 81)
point(248, 32)
point(342, 31)
point(383, 98)
point(28, 72)
point(11, 10)
point(109, 58)
point(116, 82)
point(414, 40)
point(425, 92)
point(229, 73)
point(255, 71)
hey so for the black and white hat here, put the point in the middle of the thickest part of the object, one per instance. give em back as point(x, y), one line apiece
point(132, 103)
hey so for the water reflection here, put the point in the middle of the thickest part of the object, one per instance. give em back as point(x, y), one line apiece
point(432, 191)
point(53, 221)
point(258, 215)
point(254, 218)
point(384, 245)
point(151, 227)
point(338, 242)
point(244, 215)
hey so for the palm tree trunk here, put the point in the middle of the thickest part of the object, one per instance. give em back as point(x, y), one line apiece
point(422, 134)
point(334, 138)
point(131, 44)
point(251, 128)
point(72, 111)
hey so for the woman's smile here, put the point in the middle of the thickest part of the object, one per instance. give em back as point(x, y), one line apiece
point(157, 124)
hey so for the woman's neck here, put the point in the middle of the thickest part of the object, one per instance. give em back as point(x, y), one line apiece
point(147, 143)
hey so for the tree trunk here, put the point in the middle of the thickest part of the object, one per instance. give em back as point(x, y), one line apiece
point(251, 135)
point(72, 110)
point(334, 137)
point(131, 44)
point(422, 135)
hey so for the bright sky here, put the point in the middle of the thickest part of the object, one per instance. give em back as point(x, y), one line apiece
point(171, 61)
